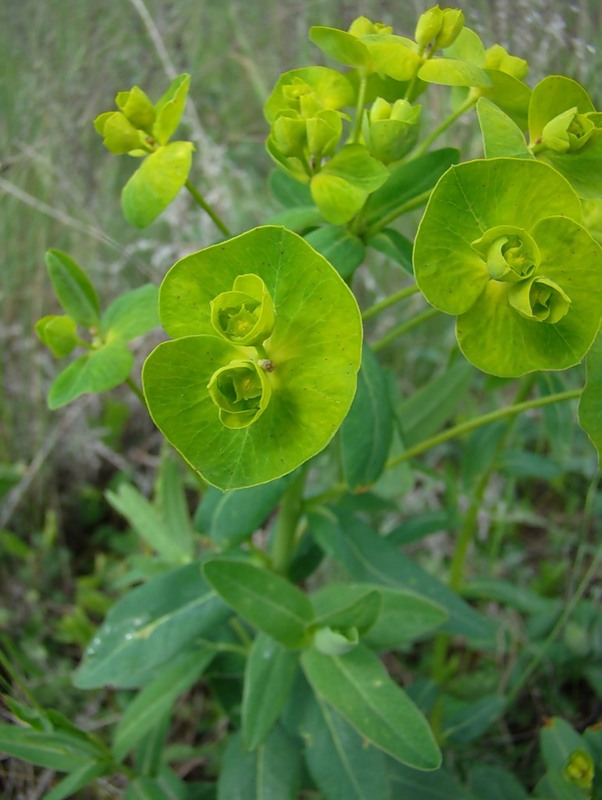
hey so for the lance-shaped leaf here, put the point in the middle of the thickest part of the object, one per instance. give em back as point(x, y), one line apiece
point(590, 405)
point(94, 372)
point(342, 187)
point(458, 276)
point(501, 135)
point(131, 315)
point(170, 107)
point(264, 599)
point(359, 688)
point(156, 183)
point(453, 72)
point(310, 360)
point(73, 288)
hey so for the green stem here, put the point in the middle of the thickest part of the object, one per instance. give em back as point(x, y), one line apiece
point(136, 389)
point(361, 100)
point(285, 535)
point(399, 330)
point(477, 422)
point(424, 146)
point(207, 208)
point(415, 202)
point(389, 301)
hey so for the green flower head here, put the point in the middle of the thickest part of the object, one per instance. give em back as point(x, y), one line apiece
point(262, 366)
point(519, 271)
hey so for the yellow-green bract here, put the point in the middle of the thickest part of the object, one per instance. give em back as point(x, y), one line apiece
point(501, 246)
point(309, 360)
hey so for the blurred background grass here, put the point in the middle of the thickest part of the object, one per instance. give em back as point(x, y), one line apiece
point(62, 62)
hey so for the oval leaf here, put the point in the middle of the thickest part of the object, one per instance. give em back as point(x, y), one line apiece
point(73, 288)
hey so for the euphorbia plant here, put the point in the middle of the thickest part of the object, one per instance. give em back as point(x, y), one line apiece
point(286, 585)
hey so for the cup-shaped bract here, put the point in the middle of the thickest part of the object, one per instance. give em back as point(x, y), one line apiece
point(245, 315)
point(519, 270)
point(291, 392)
point(391, 130)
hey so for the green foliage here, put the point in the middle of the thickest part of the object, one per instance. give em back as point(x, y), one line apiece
point(318, 657)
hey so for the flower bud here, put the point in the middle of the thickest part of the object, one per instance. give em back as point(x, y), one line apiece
point(580, 769)
point(137, 107)
point(429, 26)
point(290, 133)
point(391, 131)
point(452, 24)
point(335, 643)
point(241, 391)
point(567, 131)
point(245, 316)
point(496, 57)
point(362, 26)
point(119, 135)
point(324, 133)
point(539, 299)
point(58, 333)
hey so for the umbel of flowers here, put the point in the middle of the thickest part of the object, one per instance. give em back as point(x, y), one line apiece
point(262, 367)
point(501, 246)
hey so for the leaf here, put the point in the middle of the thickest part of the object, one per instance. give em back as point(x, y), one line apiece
point(157, 699)
point(368, 557)
point(156, 182)
point(342, 46)
point(58, 750)
point(131, 315)
point(342, 186)
point(77, 780)
point(395, 246)
point(271, 666)
point(174, 507)
point(73, 288)
point(315, 350)
point(522, 464)
point(552, 96)
point(147, 523)
point(365, 435)
point(231, 517)
point(272, 772)
point(358, 687)
point(332, 87)
point(558, 739)
point(148, 626)
point(501, 135)
point(92, 373)
point(466, 721)
point(453, 72)
point(404, 617)
point(340, 761)
point(290, 193)
point(267, 601)
point(299, 219)
point(170, 108)
point(583, 169)
point(437, 785)
point(407, 181)
point(510, 594)
point(347, 606)
point(496, 783)
point(144, 789)
point(429, 408)
point(342, 249)
point(590, 405)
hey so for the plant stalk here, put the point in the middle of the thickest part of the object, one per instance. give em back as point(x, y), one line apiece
point(424, 146)
point(389, 301)
point(285, 535)
point(404, 327)
point(207, 208)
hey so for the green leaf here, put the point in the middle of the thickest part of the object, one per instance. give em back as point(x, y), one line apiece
point(73, 288)
point(174, 506)
point(370, 558)
point(269, 665)
point(315, 350)
point(131, 315)
point(431, 407)
point(77, 780)
point(272, 772)
point(501, 135)
point(342, 186)
point(510, 594)
point(299, 219)
point(558, 739)
point(437, 785)
point(340, 45)
point(95, 372)
point(404, 617)
point(407, 181)
point(358, 687)
point(341, 762)
point(267, 601)
point(365, 436)
point(290, 193)
point(156, 183)
point(496, 783)
point(170, 108)
point(147, 523)
point(344, 606)
point(231, 517)
point(551, 97)
point(58, 750)
point(465, 722)
point(144, 789)
point(590, 405)
point(340, 247)
point(148, 626)
point(453, 72)
point(156, 699)
point(58, 334)
point(395, 246)
point(583, 168)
